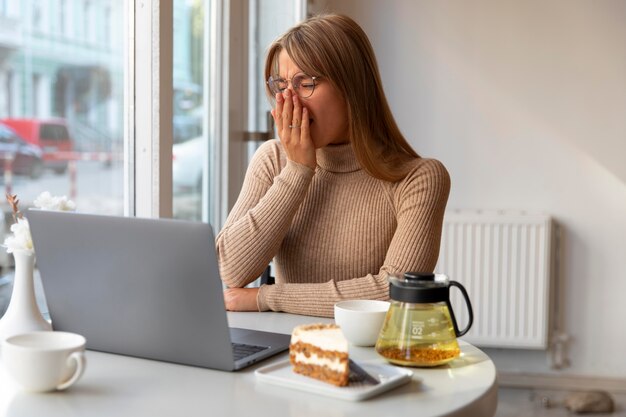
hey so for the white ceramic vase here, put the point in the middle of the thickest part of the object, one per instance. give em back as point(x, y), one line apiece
point(23, 314)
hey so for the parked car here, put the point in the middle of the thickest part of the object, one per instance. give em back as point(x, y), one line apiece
point(187, 165)
point(51, 135)
point(26, 159)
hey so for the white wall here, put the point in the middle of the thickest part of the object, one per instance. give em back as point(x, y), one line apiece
point(525, 103)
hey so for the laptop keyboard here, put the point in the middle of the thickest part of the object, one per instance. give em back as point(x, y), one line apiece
point(242, 350)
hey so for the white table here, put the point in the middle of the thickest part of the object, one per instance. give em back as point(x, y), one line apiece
point(115, 385)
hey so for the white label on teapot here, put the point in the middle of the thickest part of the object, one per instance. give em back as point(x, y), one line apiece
point(417, 329)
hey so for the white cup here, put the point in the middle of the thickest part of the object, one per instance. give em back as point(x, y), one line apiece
point(44, 361)
point(361, 320)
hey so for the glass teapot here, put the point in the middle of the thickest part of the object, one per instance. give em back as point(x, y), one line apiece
point(420, 328)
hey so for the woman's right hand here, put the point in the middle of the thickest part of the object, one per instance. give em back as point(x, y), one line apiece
point(292, 123)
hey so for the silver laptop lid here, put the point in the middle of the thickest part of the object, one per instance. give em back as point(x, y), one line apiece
point(140, 287)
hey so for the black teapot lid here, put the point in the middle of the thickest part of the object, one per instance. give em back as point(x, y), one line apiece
point(419, 287)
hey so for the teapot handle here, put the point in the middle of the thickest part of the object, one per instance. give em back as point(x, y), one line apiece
point(458, 332)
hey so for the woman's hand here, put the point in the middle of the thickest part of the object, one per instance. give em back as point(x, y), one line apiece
point(292, 123)
point(241, 299)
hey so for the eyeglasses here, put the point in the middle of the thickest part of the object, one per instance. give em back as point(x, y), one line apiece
point(302, 84)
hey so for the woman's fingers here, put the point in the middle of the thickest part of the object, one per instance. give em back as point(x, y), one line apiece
point(297, 112)
point(304, 126)
point(296, 118)
point(287, 112)
point(301, 137)
point(278, 112)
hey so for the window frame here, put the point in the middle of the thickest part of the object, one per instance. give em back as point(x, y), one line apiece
point(149, 106)
point(149, 101)
point(148, 115)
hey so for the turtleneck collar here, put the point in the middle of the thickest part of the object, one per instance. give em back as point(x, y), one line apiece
point(337, 158)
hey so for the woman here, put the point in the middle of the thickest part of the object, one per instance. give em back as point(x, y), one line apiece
point(341, 200)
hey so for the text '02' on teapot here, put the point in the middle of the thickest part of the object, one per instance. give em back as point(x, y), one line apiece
point(420, 328)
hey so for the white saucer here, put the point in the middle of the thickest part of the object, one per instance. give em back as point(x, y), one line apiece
point(389, 376)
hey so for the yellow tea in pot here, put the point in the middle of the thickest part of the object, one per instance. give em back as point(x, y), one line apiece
point(420, 328)
point(418, 335)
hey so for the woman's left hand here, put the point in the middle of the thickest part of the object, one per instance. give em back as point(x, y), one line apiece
point(241, 299)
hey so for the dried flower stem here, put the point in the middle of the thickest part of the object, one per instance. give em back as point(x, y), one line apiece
point(13, 202)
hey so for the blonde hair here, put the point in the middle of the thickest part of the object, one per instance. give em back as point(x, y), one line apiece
point(336, 48)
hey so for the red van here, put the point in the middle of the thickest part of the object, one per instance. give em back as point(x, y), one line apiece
point(51, 135)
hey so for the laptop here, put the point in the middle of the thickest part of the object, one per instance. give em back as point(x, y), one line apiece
point(148, 288)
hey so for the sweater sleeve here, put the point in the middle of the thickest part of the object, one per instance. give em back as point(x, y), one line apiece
point(259, 220)
point(420, 201)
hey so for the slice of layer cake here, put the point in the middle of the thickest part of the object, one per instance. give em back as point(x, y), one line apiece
point(320, 351)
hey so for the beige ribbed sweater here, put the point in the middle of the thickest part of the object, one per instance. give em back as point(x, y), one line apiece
point(335, 233)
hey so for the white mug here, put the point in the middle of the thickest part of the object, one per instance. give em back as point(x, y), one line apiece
point(361, 320)
point(44, 361)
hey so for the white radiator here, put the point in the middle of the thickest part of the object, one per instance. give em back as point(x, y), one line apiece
point(503, 259)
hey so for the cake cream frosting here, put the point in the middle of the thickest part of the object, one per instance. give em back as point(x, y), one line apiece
point(320, 351)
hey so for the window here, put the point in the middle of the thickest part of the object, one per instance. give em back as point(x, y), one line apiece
point(45, 76)
point(210, 156)
point(87, 104)
point(190, 109)
point(66, 99)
